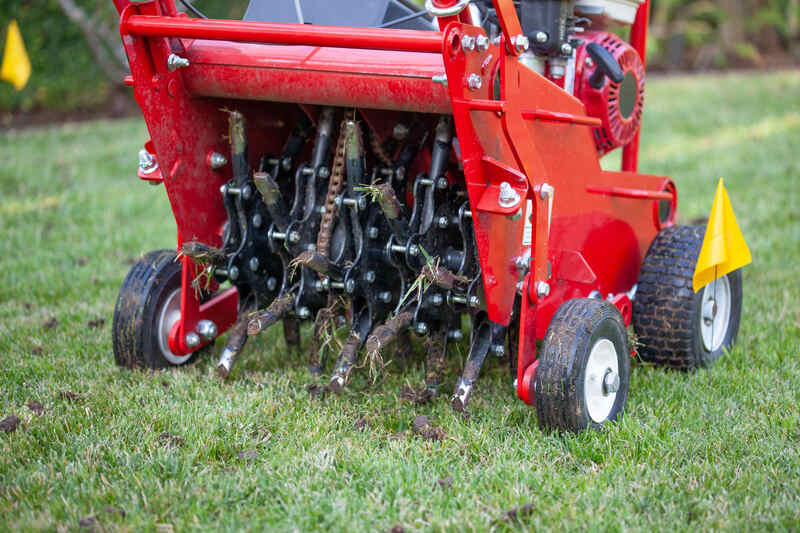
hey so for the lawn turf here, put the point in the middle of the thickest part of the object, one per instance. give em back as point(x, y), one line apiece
point(132, 450)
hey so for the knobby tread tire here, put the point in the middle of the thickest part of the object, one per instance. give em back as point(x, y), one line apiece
point(666, 310)
point(150, 279)
point(572, 333)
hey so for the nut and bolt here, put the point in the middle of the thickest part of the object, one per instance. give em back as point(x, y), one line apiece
point(174, 62)
point(192, 339)
point(324, 172)
point(272, 283)
point(350, 286)
point(508, 197)
point(372, 232)
point(413, 250)
point(294, 236)
point(400, 131)
point(520, 42)
point(541, 37)
point(474, 301)
point(216, 160)
point(369, 277)
point(455, 335)
point(468, 43)
point(566, 49)
point(257, 220)
point(498, 350)
point(233, 273)
point(542, 289)
point(304, 312)
point(385, 297)
point(253, 263)
point(421, 328)
point(286, 163)
point(442, 183)
point(474, 82)
point(482, 43)
point(147, 162)
point(443, 222)
point(437, 300)
point(207, 329)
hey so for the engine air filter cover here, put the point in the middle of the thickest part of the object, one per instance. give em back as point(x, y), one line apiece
point(618, 105)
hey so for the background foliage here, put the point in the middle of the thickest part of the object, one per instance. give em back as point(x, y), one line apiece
point(685, 34)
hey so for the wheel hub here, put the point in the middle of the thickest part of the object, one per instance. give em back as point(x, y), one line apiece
point(715, 311)
point(601, 380)
point(170, 313)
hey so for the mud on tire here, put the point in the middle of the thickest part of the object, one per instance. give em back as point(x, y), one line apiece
point(668, 316)
point(150, 285)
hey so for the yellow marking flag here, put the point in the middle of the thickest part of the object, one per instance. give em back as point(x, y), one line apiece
point(724, 249)
point(16, 67)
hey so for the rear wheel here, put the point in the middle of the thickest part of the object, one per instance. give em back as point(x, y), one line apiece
point(584, 369)
point(148, 305)
point(675, 326)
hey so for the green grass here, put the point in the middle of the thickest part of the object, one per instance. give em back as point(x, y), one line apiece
point(707, 450)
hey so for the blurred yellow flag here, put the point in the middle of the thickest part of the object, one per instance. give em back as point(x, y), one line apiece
point(724, 249)
point(16, 66)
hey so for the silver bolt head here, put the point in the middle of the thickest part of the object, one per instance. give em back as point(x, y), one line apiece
point(324, 172)
point(542, 289)
point(247, 192)
point(294, 236)
point(498, 350)
point(610, 382)
point(468, 43)
point(482, 42)
point(372, 232)
point(546, 191)
point(272, 283)
point(304, 312)
point(216, 160)
point(147, 162)
point(442, 183)
point(441, 79)
point(508, 197)
point(192, 339)
point(455, 335)
point(566, 49)
point(443, 222)
point(400, 131)
point(474, 301)
point(474, 82)
point(437, 299)
point(207, 329)
point(254, 264)
point(413, 250)
point(286, 163)
point(589, 62)
point(422, 328)
point(520, 42)
point(174, 62)
point(233, 273)
point(257, 220)
point(350, 286)
point(369, 277)
point(385, 297)
point(541, 37)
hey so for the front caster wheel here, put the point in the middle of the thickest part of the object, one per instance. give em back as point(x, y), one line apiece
point(584, 369)
point(149, 303)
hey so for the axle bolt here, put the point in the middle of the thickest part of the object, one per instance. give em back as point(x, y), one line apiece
point(369, 277)
point(233, 273)
point(474, 82)
point(294, 236)
point(443, 222)
point(468, 43)
point(207, 329)
point(216, 160)
point(372, 232)
point(192, 339)
point(422, 328)
point(442, 183)
point(437, 299)
point(324, 172)
point(350, 286)
point(272, 283)
point(482, 42)
point(542, 289)
point(566, 49)
point(474, 301)
point(253, 263)
point(257, 220)
point(520, 42)
point(385, 297)
point(303, 312)
point(413, 250)
point(541, 37)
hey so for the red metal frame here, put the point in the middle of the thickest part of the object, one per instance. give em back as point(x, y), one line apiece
point(590, 236)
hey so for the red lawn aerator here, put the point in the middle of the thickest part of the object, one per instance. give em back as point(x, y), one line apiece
point(387, 169)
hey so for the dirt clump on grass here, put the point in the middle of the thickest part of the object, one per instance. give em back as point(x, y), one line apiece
point(50, 323)
point(9, 424)
point(110, 509)
point(36, 407)
point(71, 397)
point(445, 482)
point(419, 396)
point(167, 439)
point(316, 390)
point(517, 514)
point(88, 523)
point(248, 454)
point(96, 323)
point(423, 428)
point(361, 423)
point(37, 349)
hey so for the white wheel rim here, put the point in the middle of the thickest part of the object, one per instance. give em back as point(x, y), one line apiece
point(170, 313)
point(602, 368)
point(715, 313)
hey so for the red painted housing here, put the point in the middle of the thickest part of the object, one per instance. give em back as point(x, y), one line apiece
point(587, 229)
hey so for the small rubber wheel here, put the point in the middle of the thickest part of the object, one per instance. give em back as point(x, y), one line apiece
point(149, 303)
point(584, 367)
point(676, 327)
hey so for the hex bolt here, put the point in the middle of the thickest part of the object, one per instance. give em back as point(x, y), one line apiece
point(286, 163)
point(350, 286)
point(385, 297)
point(413, 250)
point(216, 160)
point(520, 42)
point(508, 197)
point(443, 222)
point(400, 131)
point(441, 79)
point(369, 277)
point(474, 82)
point(542, 289)
point(147, 162)
point(455, 335)
point(174, 62)
point(482, 43)
point(272, 283)
point(207, 329)
point(541, 37)
point(247, 192)
point(324, 172)
point(437, 300)
point(253, 263)
point(468, 43)
point(442, 183)
point(362, 203)
point(474, 301)
point(233, 273)
point(372, 232)
point(546, 191)
point(498, 350)
point(192, 339)
point(303, 312)
point(421, 328)
point(566, 49)
point(294, 236)
point(257, 220)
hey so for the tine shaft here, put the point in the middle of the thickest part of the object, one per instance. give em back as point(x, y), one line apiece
point(291, 332)
point(347, 359)
point(484, 337)
point(279, 307)
point(203, 253)
point(236, 341)
point(271, 195)
point(320, 264)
